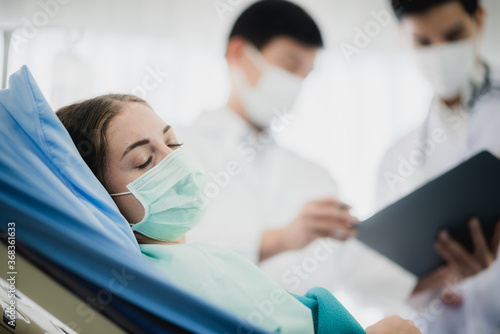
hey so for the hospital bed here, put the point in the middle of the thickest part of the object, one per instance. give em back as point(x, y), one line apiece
point(72, 246)
point(69, 300)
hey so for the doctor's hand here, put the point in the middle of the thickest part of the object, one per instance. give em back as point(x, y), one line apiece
point(460, 263)
point(393, 325)
point(327, 217)
point(459, 260)
point(323, 218)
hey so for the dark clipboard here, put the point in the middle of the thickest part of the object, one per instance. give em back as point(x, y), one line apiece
point(406, 230)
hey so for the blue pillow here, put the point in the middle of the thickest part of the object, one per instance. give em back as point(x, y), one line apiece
point(63, 212)
point(40, 164)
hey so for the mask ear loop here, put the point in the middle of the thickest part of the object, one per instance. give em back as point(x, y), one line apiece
point(121, 194)
point(255, 57)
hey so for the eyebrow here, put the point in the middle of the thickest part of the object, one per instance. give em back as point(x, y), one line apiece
point(142, 142)
point(457, 29)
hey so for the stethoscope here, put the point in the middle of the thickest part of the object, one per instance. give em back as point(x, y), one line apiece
point(477, 93)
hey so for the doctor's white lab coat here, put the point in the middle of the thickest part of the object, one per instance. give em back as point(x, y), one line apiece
point(479, 312)
point(444, 140)
point(255, 185)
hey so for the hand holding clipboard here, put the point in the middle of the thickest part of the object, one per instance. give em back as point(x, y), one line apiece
point(406, 231)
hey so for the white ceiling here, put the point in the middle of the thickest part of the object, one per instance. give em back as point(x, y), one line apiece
point(197, 21)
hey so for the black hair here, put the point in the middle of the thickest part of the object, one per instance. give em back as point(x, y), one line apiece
point(266, 19)
point(403, 8)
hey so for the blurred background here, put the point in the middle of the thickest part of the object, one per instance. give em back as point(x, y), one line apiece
point(171, 53)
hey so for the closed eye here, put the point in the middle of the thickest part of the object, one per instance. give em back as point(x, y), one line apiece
point(144, 165)
point(175, 145)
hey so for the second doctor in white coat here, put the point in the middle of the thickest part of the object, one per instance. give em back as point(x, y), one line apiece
point(266, 200)
point(463, 120)
point(464, 115)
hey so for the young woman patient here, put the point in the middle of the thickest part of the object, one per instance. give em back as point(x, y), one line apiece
point(159, 190)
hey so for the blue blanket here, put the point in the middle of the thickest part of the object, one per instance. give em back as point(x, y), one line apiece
point(329, 315)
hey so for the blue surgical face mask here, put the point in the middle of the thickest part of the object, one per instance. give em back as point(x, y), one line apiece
point(172, 196)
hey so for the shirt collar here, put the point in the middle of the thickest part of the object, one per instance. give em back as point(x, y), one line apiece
point(477, 85)
point(234, 128)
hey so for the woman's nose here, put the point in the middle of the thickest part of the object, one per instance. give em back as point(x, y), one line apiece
point(163, 151)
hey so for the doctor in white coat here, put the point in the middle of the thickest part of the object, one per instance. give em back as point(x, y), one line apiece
point(464, 115)
point(477, 312)
point(252, 180)
point(463, 120)
point(266, 201)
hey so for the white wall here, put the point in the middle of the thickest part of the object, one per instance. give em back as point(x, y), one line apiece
point(350, 112)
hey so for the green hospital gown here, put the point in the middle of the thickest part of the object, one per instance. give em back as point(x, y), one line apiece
point(224, 278)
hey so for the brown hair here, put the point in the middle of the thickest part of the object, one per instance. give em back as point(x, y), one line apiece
point(87, 122)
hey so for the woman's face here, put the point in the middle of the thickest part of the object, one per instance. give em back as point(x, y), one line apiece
point(137, 141)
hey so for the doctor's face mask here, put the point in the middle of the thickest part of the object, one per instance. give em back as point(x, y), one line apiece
point(279, 80)
point(445, 46)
